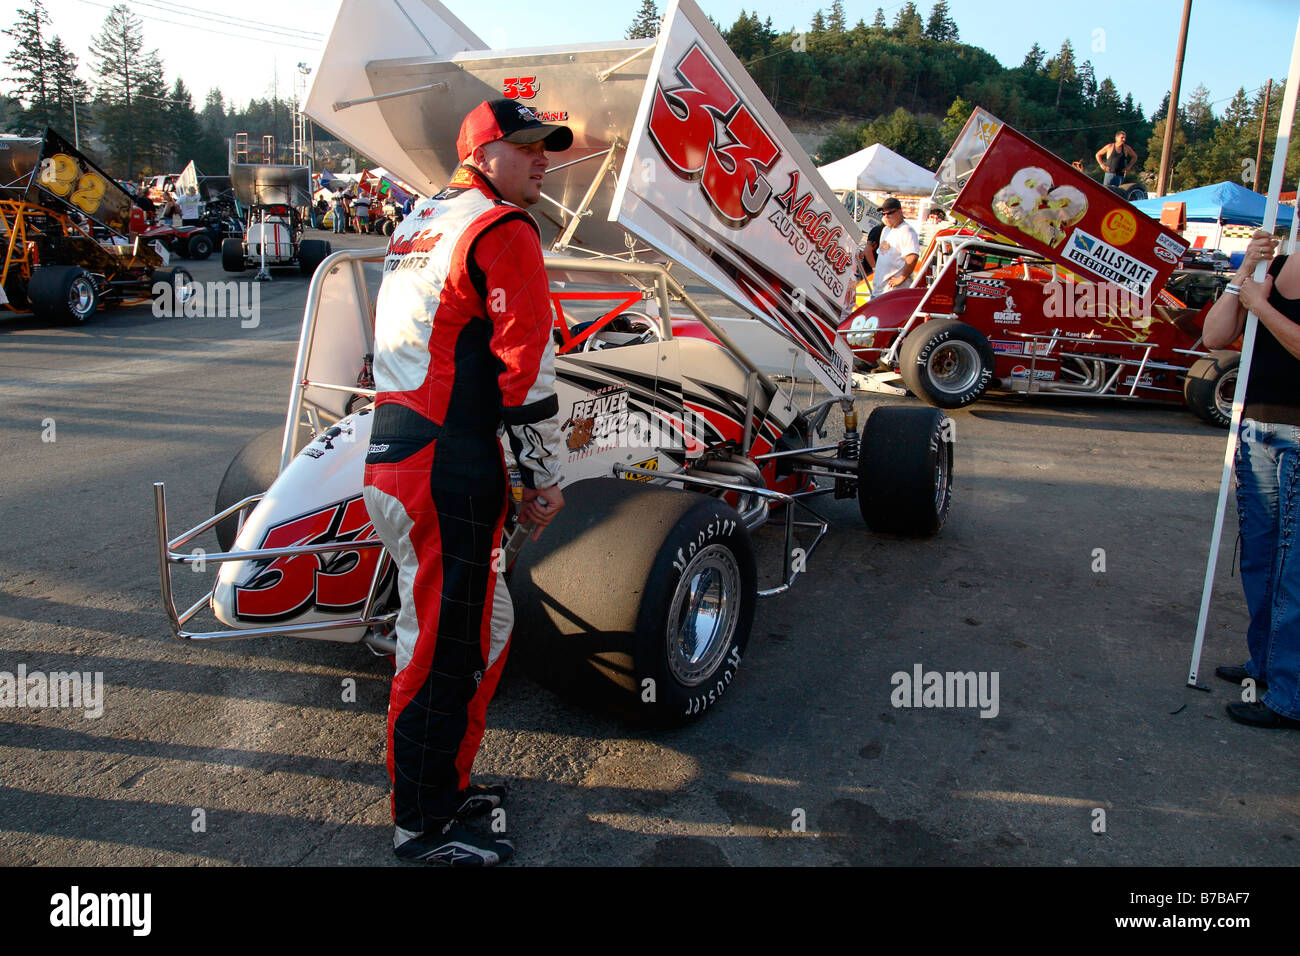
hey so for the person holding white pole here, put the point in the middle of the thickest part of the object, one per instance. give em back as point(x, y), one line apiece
point(1267, 466)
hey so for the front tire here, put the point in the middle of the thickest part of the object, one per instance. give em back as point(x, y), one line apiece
point(180, 288)
point(251, 472)
point(946, 363)
point(650, 590)
point(199, 246)
point(1210, 385)
point(905, 470)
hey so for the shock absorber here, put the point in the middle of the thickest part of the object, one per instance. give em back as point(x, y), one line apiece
point(847, 487)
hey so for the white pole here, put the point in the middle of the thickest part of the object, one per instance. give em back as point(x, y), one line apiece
point(1247, 351)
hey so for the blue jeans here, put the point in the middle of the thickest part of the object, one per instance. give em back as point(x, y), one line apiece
point(1113, 179)
point(1268, 497)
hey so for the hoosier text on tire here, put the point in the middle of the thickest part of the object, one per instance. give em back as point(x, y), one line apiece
point(651, 589)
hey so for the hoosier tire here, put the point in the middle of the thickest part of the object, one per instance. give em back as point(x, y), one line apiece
point(1210, 385)
point(905, 470)
point(946, 363)
point(232, 255)
point(63, 293)
point(250, 473)
point(648, 590)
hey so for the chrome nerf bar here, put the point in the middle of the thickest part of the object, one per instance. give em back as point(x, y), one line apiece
point(168, 555)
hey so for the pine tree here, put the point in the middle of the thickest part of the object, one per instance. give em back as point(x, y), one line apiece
point(214, 113)
point(879, 22)
point(908, 22)
point(1087, 82)
point(819, 22)
point(69, 93)
point(941, 27)
point(1034, 58)
point(836, 22)
point(29, 62)
point(130, 84)
point(645, 24)
point(1061, 68)
point(184, 131)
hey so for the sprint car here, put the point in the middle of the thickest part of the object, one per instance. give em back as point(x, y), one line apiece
point(65, 224)
point(1056, 285)
point(273, 237)
point(684, 436)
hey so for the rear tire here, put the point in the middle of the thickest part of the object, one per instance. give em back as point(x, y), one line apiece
point(311, 253)
point(905, 470)
point(1210, 385)
point(251, 472)
point(232, 255)
point(946, 363)
point(649, 590)
point(62, 293)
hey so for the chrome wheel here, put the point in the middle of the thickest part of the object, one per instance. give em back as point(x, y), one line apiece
point(954, 367)
point(1224, 390)
point(81, 298)
point(703, 614)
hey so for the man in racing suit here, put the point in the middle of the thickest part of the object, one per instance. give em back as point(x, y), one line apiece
point(462, 344)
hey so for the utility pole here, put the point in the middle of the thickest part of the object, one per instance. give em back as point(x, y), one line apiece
point(1263, 124)
point(1171, 118)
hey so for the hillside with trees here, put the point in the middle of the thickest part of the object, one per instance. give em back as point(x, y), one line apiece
point(909, 83)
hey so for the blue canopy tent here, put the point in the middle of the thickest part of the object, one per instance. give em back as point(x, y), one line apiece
point(1226, 203)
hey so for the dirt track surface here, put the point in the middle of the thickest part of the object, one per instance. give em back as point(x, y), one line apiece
point(256, 740)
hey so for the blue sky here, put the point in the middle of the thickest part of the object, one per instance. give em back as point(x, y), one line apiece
point(1229, 44)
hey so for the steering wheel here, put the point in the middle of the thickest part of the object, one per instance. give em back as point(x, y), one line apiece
point(625, 322)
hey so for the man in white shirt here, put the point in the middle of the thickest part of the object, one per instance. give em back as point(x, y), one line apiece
point(899, 251)
point(190, 205)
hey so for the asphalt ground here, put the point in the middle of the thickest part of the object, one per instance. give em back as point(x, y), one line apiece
point(255, 753)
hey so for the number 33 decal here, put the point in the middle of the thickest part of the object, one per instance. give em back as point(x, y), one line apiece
point(521, 87)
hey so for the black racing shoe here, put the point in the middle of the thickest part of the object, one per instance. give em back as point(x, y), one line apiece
point(478, 799)
point(455, 846)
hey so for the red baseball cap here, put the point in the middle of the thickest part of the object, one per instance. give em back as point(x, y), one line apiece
point(504, 119)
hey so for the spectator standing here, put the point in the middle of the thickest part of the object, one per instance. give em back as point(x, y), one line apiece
point(1267, 466)
point(900, 249)
point(361, 213)
point(1115, 159)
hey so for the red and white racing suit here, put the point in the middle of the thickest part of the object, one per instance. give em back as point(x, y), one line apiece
point(462, 344)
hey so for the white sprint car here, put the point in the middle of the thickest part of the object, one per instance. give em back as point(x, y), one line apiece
point(683, 431)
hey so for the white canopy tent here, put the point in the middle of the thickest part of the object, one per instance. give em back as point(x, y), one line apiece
point(878, 169)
